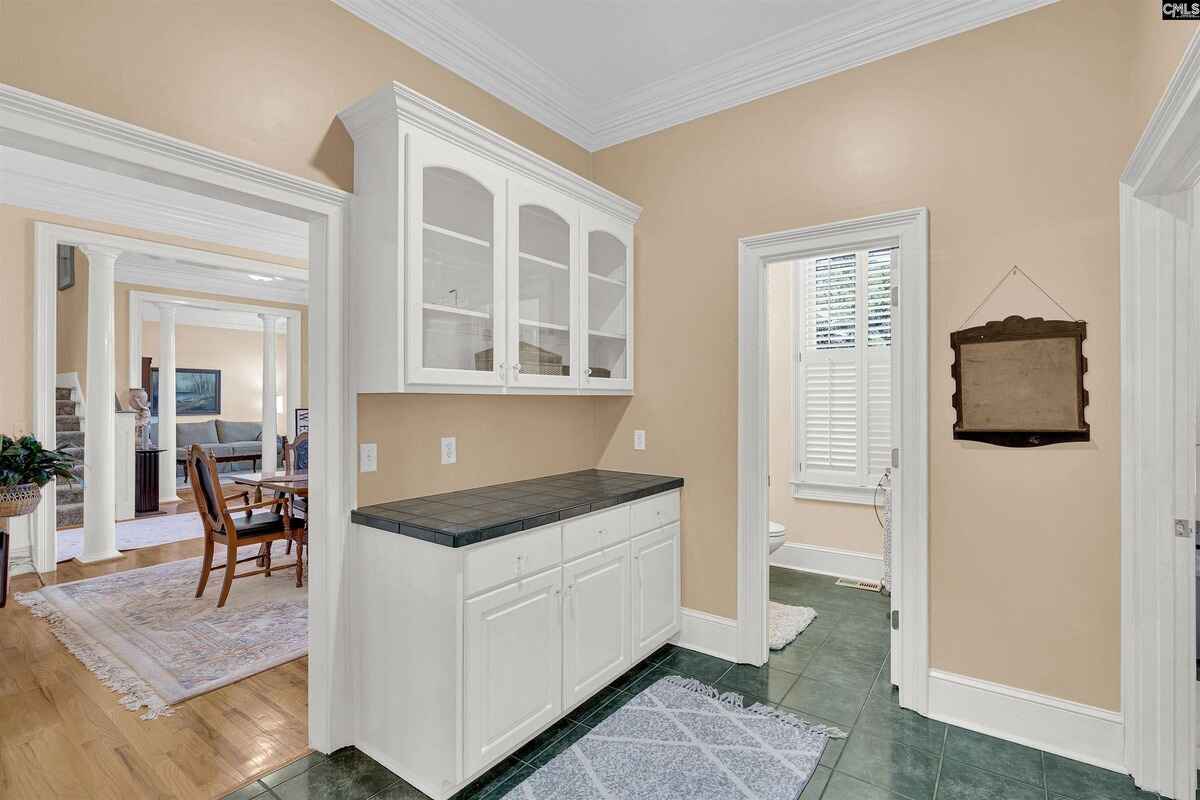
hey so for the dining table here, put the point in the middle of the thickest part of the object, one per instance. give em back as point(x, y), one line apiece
point(294, 484)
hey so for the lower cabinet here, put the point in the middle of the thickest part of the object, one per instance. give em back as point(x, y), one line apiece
point(596, 640)
point(655, 589)
point(513, 665)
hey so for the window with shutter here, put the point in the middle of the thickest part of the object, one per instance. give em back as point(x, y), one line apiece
point(843, 336)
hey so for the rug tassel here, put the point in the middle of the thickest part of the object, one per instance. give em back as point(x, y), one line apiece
point(737, 701)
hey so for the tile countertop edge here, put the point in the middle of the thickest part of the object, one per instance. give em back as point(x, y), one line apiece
point(404, 517)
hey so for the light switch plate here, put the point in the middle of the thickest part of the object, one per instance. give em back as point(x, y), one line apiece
point(639, 440)
point(368, 457)
point(449, 450)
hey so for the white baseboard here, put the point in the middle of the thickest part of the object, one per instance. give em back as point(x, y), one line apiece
point(829, 561)
point(707, 633)
point(1085, 733)
point(20, 560)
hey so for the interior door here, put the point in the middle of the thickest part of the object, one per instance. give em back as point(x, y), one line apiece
point(456, 274)
point(596, 640)
point(513, 679)
point(543, 288)
point(607, 302)
point(655, 589)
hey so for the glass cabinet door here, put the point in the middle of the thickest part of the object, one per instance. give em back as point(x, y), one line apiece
point(457, 268)
point(542, 289)
point(607, 303)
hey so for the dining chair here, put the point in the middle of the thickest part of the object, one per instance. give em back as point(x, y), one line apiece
point(236, 526)
point(295, 459)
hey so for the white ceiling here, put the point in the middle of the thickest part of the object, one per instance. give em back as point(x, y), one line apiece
point(603, 72)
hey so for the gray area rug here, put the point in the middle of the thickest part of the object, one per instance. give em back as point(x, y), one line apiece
point(145, 635)
point(680, 740)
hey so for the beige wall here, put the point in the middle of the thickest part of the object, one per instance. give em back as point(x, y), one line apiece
point(1014, 136)
point(238, 354)
point(845, 526)
point(71, 321)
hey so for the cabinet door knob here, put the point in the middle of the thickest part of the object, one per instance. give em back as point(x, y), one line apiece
point(516, 370)
point(589, 372)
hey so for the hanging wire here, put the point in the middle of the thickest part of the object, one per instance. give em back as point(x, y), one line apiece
point(1000, 283)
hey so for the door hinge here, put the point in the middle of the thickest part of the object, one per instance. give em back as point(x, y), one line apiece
point(1183, 528)
point(895, 458)
point(896, 620)
point(896, 296)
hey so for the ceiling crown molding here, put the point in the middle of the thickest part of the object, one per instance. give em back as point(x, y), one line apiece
point(447, 35)
point(454, 39)
point(140, 269)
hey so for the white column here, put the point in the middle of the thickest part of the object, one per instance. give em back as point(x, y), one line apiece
point(99, 448)
point(292, 401)
point(269, 426)
point(166, 403)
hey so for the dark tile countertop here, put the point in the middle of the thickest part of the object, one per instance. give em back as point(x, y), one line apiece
point(457, 519)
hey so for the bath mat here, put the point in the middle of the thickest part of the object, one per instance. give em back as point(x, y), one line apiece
point(679, 739)
point(145, 635)
point(785, 623)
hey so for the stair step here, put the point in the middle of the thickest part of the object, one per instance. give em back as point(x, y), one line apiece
point(66, 493)
point(77, 471)
point(66, 423)
point(70, 439)
point(73, 451)
point(70, 515)
point(65, 407)
point(62, 393)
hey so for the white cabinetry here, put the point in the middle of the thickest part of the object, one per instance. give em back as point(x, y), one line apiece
point(461, 655)
point(513, 672)
point(478, 266)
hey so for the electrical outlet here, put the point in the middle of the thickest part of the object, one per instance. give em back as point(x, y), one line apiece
point(449, 450)
point(639, 440)
point(368, 457)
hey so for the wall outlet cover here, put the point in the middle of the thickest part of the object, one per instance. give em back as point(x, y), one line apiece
point(449, 450)
point(368, 457)
point(639, 440)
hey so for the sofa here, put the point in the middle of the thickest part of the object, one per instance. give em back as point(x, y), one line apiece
point(223, 439)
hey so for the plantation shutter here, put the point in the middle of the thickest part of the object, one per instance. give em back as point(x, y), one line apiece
point(844, 370)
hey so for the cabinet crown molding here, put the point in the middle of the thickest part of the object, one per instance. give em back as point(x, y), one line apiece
point(396, 102)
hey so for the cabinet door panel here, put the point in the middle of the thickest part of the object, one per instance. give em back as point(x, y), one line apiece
point(655, 589)
point(607, 302)
point(513, 679)
point(596, 638)
point(456, 279)
point(543, 287)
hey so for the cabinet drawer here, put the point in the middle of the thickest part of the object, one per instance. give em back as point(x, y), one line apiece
point(654, 512)
point(511, 557)
point(595, 532)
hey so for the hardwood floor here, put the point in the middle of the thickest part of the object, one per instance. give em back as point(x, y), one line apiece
point(63, 734)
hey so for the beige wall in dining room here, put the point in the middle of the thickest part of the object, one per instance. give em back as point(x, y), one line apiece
point(1014, 136)
point(843, 526)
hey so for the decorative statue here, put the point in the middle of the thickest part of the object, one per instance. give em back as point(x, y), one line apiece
point(139, 402)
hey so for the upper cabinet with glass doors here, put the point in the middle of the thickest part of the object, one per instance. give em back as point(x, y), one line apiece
point(477, 266)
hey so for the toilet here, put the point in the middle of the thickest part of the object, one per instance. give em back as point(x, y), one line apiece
point(776, 535)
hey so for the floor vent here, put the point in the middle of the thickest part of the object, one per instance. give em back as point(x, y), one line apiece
point(867, 586)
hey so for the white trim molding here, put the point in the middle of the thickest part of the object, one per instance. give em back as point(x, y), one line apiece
point(833, 493)
point(224, 276)
point(824, 46)
point(52, 128)
point(909, 231)
point(1160, 295)
point(1072, 730)
point(828, 561)
point(29, 180)
point(707, 633)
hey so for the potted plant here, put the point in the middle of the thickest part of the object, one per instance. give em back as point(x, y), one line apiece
point(25, 467)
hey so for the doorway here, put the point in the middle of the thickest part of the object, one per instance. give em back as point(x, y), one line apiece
point(906, 234)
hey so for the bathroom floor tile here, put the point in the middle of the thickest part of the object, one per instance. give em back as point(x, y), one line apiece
point(959, 781)
point(995, 755)
point(904, 770)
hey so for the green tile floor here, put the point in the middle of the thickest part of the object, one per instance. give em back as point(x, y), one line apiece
point(835, 673)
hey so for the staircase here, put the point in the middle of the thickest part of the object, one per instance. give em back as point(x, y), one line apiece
point(68, 426)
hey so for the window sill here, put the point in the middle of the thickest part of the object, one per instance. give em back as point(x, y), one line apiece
point(833, 493)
